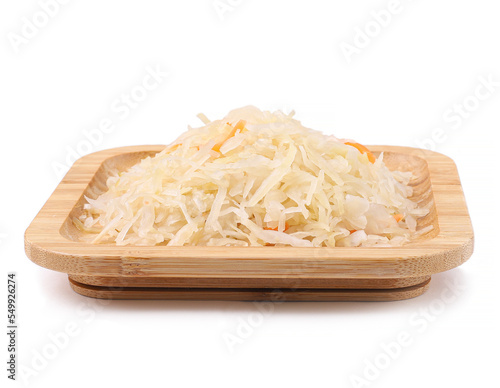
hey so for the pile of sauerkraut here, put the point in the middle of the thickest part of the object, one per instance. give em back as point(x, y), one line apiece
point(254, 179)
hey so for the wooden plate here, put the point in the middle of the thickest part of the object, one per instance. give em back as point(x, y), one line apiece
point(253, 273)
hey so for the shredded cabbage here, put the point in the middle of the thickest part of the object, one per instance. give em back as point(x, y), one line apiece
point(255, 178)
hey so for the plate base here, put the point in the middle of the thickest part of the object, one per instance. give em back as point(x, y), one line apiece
point(251, 294)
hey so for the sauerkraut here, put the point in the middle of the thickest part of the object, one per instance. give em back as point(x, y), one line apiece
point(255, 178)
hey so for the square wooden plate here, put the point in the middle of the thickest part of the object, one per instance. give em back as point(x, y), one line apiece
point(253, 273)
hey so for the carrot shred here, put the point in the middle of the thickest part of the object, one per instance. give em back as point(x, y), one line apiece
point(174, 147)
point(352, 231)
point(240, 125)
point(398, 217)
point(361, 148)
point(276, 229)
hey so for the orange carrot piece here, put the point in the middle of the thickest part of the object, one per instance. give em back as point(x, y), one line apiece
point(361, 148)
point(174, 147)
point(276, 229)
point(398, 217)
point(352, 231)
point(239, 125)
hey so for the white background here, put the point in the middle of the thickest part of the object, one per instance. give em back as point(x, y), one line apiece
point(404, 83)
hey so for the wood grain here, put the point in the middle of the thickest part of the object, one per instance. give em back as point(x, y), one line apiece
point(251, 294)
point(53, 242)
point(242, 282)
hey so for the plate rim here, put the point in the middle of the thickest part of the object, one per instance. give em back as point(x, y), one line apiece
point(451, 247)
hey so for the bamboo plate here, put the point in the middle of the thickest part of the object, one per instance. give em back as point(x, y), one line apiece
point(253, 273)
